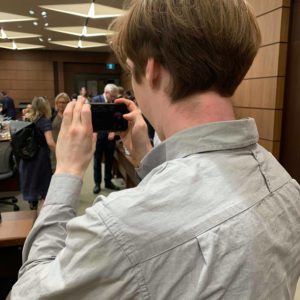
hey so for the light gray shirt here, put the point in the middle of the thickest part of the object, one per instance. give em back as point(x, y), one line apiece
point(214, 217)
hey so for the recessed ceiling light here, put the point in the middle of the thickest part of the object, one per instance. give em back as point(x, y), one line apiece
point(41, 39)
point(49, 39)
point(35, 23)
point(43, 13)
point(46, 24)
point(20, 26)
point(31, 12)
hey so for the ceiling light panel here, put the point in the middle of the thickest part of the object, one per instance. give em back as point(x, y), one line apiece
point(20, 35)
point(23, 46)
point(6, 17)
point(75, 43)
point(93, 11)
point(79, 31)
point(6, 45)
point(102, 11)
point(73, 9)
point(19, 46)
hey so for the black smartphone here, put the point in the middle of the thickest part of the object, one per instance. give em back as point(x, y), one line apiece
point(109, 117)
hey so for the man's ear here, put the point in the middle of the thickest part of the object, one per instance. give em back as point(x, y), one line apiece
point(152, 72)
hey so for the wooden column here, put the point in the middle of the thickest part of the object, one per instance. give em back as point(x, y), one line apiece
point(290, 143)
point(261, 94)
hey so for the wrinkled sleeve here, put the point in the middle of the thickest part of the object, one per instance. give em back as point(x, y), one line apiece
point(72, 258)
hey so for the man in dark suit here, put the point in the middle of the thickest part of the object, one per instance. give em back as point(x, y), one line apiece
point(8, 105)
point(105, 144)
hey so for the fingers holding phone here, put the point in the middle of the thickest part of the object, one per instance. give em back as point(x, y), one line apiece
point(135, 138)
point(76, 141)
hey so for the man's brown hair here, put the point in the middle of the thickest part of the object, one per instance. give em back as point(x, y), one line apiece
point(204, 44)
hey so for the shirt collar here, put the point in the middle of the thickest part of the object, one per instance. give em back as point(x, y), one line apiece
point(204, 138)
point(105, 100)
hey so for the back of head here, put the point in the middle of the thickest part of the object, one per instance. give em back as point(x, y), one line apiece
point(120, 91)
point(40, 108)
point(204, 44)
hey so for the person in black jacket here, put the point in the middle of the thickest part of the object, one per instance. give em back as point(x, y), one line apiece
point(8, 109)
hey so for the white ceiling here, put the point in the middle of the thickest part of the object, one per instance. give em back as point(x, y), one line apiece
point(65, 20)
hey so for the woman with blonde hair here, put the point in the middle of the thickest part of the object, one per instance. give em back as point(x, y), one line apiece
point(35, 174)
point(61, 101)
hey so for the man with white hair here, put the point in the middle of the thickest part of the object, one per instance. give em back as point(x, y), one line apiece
point(105, 144)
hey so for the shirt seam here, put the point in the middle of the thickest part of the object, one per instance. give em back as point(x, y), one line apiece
point(267, 181)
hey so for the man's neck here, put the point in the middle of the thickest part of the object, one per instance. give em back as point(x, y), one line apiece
point(195, 110)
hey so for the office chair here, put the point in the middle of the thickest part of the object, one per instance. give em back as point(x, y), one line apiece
point(7, 168)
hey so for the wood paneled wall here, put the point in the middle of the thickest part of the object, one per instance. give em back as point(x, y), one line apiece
point(23, 79)
point(25, 74)
point(261, 94)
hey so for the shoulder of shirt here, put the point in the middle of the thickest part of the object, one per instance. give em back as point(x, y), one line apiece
point(173, 202)
point(130, 213)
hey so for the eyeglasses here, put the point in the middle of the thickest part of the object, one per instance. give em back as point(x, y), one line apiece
point(63, 102)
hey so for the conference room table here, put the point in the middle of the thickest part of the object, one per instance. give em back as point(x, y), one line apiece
point(14, 228)
point(124, 166)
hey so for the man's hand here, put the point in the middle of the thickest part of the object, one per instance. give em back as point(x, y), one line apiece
point(76, 141)
point(135, 139)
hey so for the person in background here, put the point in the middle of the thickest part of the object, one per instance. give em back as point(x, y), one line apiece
point(1, 104)
point(84, 93)
point(105, 144)
point(120, 92)
point(61, 101)
point(8, 109)
point(35, 174)
point(215, 215)
point(74, 97)
point(26, 111)
point(128, 95)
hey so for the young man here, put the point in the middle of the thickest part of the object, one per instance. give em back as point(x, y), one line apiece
point(105, 144)
point(215, 215)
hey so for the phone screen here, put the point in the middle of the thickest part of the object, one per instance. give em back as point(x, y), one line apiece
point(109, 117)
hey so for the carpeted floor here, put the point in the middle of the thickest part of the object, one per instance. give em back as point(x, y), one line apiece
point(86, 197)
